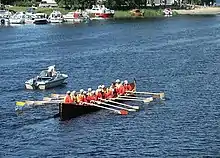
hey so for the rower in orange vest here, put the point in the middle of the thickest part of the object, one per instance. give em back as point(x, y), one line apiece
point(67, 98)
point(121, 89)
point(99, 93)
point(92, 97)
point(73, 96)
point(127, 86)
point(109, 93)
point(85, 96)
point(117, 85)
point(80, 97)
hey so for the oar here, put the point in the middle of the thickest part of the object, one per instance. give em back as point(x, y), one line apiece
point(131, 97)
point(147, 100)
point(27, 102)
point(99, 102)
point(161, 94)
point(126, 105)
point(57, 95)
point(122, 112)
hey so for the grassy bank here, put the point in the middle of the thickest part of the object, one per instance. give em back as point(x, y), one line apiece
point(118, 14)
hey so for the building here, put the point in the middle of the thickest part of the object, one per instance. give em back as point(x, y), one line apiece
point(48, 3)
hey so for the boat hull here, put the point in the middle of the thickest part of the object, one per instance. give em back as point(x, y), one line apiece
point(68, 111)
point(51, 84)
point(38, 22)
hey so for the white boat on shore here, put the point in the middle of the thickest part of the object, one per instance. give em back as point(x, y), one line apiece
point(56, 17)
point(38, 18)
point(47, 79)
point(98, 12)
point(77, 16)
point(4, 17)
point(17, 18)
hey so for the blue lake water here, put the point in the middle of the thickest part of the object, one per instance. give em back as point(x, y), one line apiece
point(179, 56)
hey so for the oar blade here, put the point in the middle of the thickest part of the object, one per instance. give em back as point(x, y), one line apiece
point(20, 103)
point(123, 112)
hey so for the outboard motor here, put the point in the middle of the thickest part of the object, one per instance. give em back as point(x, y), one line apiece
point(2, 21)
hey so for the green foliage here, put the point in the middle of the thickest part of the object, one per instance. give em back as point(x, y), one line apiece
point(153, 13)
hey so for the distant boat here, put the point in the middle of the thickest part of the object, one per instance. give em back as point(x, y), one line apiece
point(76, 16)
point(100, 12)
point(4, 17)
point(56, 17)
point(47, 79)
point(17, 18)
point(38, 18)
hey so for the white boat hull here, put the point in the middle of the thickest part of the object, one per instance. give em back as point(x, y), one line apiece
point(17, 21)
point(56, 20)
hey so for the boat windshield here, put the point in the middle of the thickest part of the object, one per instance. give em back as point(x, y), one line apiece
point(43, 73)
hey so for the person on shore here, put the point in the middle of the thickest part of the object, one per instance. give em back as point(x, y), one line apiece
point(67, 98)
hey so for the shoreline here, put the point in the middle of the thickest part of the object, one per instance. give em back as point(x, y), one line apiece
point(199, 11)
point(148, 13)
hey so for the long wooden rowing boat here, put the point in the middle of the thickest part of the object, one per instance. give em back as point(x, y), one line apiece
point(68, 111)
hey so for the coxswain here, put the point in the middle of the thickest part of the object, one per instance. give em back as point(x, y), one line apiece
point(127, 86)
point(67, 98)
point(73, 96)
point(80, 97)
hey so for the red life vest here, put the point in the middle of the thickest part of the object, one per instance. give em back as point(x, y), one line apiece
point(67, 99)
point(127, 87)
point(121, 90)
point(99, 95)
point(80, 98)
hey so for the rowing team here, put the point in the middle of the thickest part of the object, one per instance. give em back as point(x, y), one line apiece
point(116, 89)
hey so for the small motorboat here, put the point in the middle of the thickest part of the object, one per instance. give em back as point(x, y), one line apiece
point(47, 79)
point(18, 18)
point(56, 17)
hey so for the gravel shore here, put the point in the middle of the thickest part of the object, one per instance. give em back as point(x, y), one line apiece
point(200, 11)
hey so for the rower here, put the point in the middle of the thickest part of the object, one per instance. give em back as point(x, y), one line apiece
point(113, 89)
point(67, 98)
point(127, 86)
point(73, 96)
point(89, 91)
point(80, 96)
point(99, 93)
point(109, 93)
point(84, 96)
point(117, 85)
point(92, 98)
point(121, 89)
